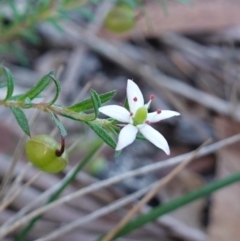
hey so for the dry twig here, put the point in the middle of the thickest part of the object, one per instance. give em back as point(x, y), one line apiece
point(15, 223)
point(151, 194)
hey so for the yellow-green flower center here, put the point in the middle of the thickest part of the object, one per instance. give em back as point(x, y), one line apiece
point(140, 116)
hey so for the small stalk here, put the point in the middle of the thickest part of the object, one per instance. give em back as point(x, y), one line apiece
point(62, 149)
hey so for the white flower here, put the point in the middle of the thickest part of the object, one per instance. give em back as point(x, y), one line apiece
point(138, 119)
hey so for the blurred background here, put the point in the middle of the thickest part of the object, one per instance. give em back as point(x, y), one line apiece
point(186, 53)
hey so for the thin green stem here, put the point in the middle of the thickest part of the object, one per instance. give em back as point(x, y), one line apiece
point(59, 110)
point(15, 30)
point(57, 193)
point(157, 212)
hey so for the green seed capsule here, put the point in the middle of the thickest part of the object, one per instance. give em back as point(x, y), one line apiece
point(41, 151)
point(120, 19)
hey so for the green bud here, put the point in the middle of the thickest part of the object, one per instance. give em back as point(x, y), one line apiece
point(97, 166)
point(140, 116)
point(120, 19)
point(41, 151)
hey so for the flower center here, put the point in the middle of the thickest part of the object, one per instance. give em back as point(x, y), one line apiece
point(140, 116)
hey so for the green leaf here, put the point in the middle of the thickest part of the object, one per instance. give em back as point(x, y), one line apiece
point(4, 48)
point(126, 104)
point(168, 207)
point(9, 81)
point(15, 13)
point(96, 102)
point(103, 134)
point(58, 124)
point(140, 137)
point(58, 89)
point(113, 130)
point(87, 104)
point(55, 23)
point(19, 53)
point(31, 36)
point(86, 13)
point(16, 97)
point(2, 85)
point(21, 119)
point(38, 87)
point(43, 4)
point(117, 153)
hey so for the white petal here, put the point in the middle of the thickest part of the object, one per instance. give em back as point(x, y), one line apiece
point(155, 137)
point(133, 91)
point(116, 112)
point(126, 136)
point(155, 117)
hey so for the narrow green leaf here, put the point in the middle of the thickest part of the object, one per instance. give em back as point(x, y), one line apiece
point(117, 153)
point(96, 102)
point(21, 119)
point(38, 87)
point(113, 130)
point(58, 124)
point(16, 97)
point(10, 84)
point(5, 48)
point(9, 81)
point(43, 4)
point(31, 36)
point(15, 13)
point(2, 85)
point(115, 133)
point(140, 137)
point(58, 89)
point(159, 211)
point(55, 23)
point(86, 13)
point(126, 104)
point(103, 134)
point(87, 104)
point(19, 53)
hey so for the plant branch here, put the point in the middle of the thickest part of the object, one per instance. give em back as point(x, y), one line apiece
point(14, 31)
point(57, 110)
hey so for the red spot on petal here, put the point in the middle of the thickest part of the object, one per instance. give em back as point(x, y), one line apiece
point(131, 114)
point(135, 99)
point(147, 122)
point(159, 111)
point(152, 97)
